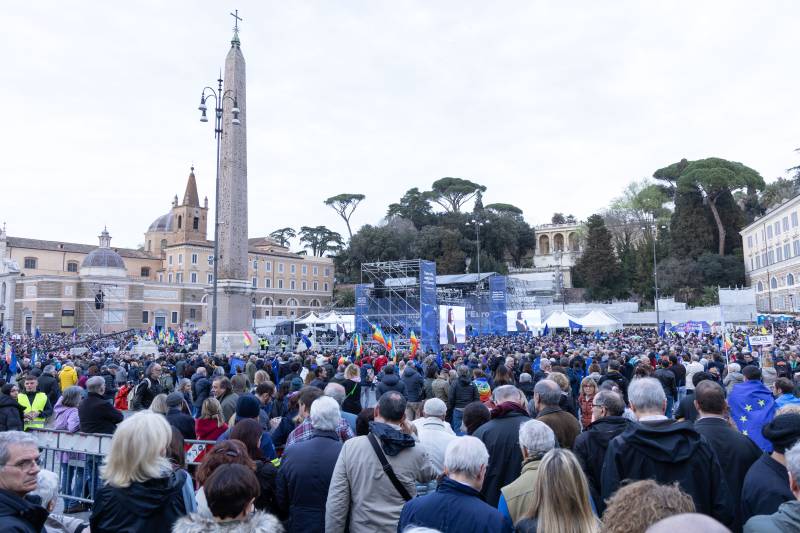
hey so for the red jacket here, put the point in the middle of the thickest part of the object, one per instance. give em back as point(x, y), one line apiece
point(121, 399)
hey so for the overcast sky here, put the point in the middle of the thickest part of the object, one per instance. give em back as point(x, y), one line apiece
point(554, 106)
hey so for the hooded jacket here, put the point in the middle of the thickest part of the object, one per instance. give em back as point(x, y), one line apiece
point(67, 377)
point(390, 382)
point(66, 417)
point(256, 523)
point(415, 384)
point(48, 384)
point(765, 488)
point(590, 448)
point(10, 414)
point(501, 437)
point(462, 393)
point(787, 518)
point(20, 515)
point(666, 452)
point(151, 506)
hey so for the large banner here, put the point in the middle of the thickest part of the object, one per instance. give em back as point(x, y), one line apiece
point(523, 320)
point(452, 324)
point(429, 315)
point(362, 325)
point(497, 305)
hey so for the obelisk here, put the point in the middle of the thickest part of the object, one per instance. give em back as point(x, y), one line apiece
point(233, 287)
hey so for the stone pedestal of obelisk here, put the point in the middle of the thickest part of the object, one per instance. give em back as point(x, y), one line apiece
point(233, 288)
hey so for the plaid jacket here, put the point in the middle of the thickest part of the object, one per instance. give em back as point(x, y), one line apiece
point(305, 430)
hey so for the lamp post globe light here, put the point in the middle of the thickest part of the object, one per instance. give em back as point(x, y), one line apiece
point(219, 98)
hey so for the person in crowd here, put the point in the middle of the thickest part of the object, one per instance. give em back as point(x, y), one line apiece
point(546, 398)
point(47, 492)
point(457, 504)
point(686, 407)
point(148, 388)
point(185, 388)
point(228, 452)
point(176, 453)
point(141, 491)
point(390, 381)
point(560, 499)
point(179, 419)
point(787, 516)
point(221, 389)
point(440, 387)
point(585, 398)
point(67, 377)
point(337, 392)
point(766, 484)
point(784, 393)
point(433, 432)
point(305, 429)
point(526, 385)
point(248, 408)
point(566, 402)
point(753, 393)
point(201, 388)
point(692, 367)
point(613, 374)
point(67, 419)
point(363, 420)
point(352, 390)
point(501, 437)
point(320, 377)
point(11, 412)
point(285, 424)
point(95, 413)
point(307, 467)
point(265, 392)
point(231, 492)
point(249, 431)
point(688, 522)
point(36, 404)
point(535, 440)
point(159, 405)
point(48, 384)
point(735, 451)
point(415, 391)
point(590, 446)
point(362, 496)
point(462, 392)
point(638, 505)
point(733, 377)
point(19, 468)
point(475, 415)
point(658, 448)
point(666, 377)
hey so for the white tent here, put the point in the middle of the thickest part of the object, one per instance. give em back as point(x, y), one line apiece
point(333, 318)
point(560, 319)
point(309, 320)
point(600, 320)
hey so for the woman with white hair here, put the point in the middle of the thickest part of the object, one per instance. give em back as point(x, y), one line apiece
point(47, 489)
point(142, 493)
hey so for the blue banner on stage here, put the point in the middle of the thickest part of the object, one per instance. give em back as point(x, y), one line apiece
point(362, 325)
point(429, 313)
point(497, 305)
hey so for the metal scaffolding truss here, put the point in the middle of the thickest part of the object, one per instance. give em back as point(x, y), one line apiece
point(393, 295)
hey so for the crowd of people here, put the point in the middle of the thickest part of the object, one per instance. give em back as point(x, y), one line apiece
point(626, 431)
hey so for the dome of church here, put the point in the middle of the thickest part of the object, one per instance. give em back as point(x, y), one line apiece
point(162, 223)
point(103, 257)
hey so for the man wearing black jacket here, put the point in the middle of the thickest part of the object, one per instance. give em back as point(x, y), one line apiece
point(734, 450)
point(667, 379)
point(591, 445)
point(665, 451)
point(48, 384)
point(614, 375)
point(96, 414)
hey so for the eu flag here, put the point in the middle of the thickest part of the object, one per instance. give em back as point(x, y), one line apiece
point(276, 366)
point(574, 325)
point(752, 406)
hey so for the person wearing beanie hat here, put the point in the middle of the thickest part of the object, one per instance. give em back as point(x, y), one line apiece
point(178, 416)
point(248, 407)
point(766, 485)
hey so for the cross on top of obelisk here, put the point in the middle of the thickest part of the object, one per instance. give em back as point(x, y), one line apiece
point(236, 18)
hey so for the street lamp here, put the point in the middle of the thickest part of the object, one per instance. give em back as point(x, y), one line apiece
point(654, 230)
point(219, 98)
point(478, 223)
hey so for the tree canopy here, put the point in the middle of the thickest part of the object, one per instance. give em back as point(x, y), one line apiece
point(283, 235)
point(344, 204)
point(453, 193)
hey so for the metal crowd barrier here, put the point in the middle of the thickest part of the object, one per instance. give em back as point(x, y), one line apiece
point(76, 458)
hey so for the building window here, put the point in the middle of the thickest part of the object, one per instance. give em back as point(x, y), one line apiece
point(210, 260)
point(760, 287)
point(304, 285)
point(193, 277)
point(193, 311)
point(280, 283)
point(194, 259)
point(785, 223)
point(293, 268)
point(169, 260)
point(196, 223)
point(149, 243)
point(305, 269)
point(145, 317)
point(327, 272)
point(315, 270)
point(210, 279)
point(180, 259)
point(72, 266)
point(769, 232)
point(30, 262)
point(316, 285)
point(267, 283)
point(268, 266)
point(778, 228)
point(779, 253)
point(750, 241)
point(255, 283)
point(796, 248)
point(180, 221)
point(773, 283)
point(794, 220)
point(752, 264)
point(255, 264)
point(145, 272)
point(787, 251)
point(790, 279)
point(160, 277)
point(179, 277)
point(325, 286)
point(291, 285)
point(169, 277)
point(758, 261)
point(174, 317)
point(280, 268)
point(771, 257)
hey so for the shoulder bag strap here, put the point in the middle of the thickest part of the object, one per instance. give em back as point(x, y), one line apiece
point(387, 468)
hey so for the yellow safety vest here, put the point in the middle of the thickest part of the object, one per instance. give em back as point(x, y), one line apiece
point(39, 403)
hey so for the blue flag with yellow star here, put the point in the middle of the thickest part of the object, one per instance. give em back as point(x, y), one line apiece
point(752, 406)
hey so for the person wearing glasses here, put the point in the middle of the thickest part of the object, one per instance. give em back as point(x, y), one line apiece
point(19, 466)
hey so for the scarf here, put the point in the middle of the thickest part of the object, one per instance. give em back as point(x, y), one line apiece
point(505, 408)
point(392, 440)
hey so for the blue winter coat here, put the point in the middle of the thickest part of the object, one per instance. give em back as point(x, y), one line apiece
point(456, 508)
point(304, 478)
